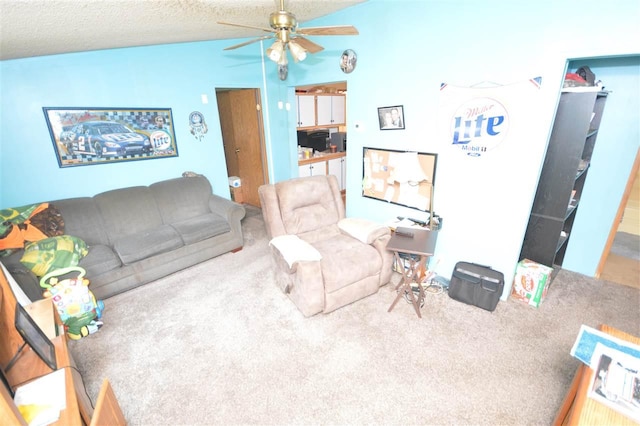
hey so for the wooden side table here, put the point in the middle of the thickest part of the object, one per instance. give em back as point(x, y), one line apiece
point(422, 244)
point(578, 408)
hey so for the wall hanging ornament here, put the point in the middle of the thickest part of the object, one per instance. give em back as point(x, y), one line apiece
point(197, 124)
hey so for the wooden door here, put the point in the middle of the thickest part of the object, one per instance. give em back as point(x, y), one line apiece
point(243, 139)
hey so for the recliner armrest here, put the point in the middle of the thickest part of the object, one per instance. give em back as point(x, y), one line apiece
point(364, 230)
point(293, 249)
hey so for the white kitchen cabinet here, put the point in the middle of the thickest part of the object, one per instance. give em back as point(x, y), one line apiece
point(306, 109)
point(338, 168)
point(313, 169)
point(330, 110)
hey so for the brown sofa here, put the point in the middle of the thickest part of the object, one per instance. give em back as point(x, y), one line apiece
point(323, 261)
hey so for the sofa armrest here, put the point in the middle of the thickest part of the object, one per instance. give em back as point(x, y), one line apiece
point(292, 250)
point(364, 230)
point(228, 209)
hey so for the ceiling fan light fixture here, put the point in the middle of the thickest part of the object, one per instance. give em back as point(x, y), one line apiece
point(276, 51)
point(297, 51)
point(283, 59)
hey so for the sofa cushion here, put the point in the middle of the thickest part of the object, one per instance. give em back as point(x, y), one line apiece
point(138, 246)
point(128, 211)
point(49, 254)
point(82, 219)
point(346, 260)
point(201, 227)
point(182, 198)
point(99, 260)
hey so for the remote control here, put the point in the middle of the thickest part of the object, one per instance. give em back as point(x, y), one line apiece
point(418, 222)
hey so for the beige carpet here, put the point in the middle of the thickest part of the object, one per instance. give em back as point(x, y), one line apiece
point(219, 344)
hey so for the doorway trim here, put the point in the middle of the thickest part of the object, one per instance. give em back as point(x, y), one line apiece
point(618, 218)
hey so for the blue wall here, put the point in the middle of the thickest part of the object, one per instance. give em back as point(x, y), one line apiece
point(612, 161)
point(406, 49)
point(171, 76)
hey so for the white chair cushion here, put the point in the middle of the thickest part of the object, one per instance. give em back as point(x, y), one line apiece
point(293, 249)
point(364, 230)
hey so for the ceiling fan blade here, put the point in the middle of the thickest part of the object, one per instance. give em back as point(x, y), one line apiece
point(235, 46)
point(334, 30)
point(268, 30)
point(307, 44)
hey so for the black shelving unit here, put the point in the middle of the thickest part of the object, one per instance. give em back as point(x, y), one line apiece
point(563, 175)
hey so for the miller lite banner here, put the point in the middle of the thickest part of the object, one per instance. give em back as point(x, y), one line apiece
point(482, 118)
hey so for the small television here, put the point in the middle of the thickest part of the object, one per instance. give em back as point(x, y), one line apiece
point(405, 178)
point(33, 336)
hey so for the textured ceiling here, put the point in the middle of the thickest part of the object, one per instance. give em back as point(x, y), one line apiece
point(46, 27)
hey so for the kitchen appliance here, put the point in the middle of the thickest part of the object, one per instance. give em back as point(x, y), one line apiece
point(316, 139)
point(339, 139)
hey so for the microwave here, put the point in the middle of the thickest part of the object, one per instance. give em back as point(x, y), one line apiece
point(316, 139)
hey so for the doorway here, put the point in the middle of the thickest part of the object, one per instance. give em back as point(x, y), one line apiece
point(243, 139)
point(620, 262)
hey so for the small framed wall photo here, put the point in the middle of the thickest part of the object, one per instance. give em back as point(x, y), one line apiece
point(348, 61)
point(391, 117)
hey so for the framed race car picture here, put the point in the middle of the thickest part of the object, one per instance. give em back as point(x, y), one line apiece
point(87, 136)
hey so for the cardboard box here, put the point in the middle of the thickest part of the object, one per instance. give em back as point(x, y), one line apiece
point(236, 194)
point(531, 282)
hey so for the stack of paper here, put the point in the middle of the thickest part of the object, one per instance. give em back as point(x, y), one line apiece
point(41, 400)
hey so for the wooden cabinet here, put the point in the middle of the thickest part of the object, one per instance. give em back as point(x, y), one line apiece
point(320, 110)
point(563, 176)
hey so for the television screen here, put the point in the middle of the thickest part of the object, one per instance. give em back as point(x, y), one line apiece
point(35, 337)
point(405, 178)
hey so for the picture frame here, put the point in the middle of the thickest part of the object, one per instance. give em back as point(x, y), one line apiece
point(391, 117)
point(83, 136)
point(348, 61)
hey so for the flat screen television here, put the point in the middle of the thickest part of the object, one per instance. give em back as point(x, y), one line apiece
point(406, 178)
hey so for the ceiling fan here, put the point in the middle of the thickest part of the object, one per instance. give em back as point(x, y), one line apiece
point(285, 31)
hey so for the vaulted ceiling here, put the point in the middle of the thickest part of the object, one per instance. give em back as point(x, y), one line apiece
point(45, 27)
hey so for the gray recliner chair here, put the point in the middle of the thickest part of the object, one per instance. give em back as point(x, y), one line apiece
point(322, 260)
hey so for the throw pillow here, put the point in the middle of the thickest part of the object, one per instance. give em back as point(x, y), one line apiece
point(49, 254)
